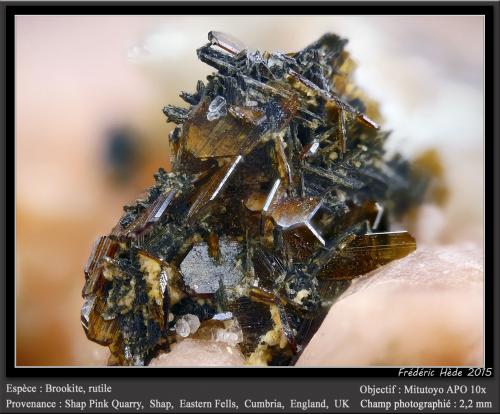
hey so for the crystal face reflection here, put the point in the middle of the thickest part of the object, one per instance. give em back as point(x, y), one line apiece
point(205, 274)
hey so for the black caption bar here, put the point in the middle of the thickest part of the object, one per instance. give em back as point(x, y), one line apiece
point(252, 395)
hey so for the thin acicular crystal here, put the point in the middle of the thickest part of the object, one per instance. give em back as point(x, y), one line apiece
point(228, 174)
point(380, 213)
point(271, 194)
point(163, 206)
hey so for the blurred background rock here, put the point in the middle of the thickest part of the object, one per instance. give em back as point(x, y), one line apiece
point(90, 132)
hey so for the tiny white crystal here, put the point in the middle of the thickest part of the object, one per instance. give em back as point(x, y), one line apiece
point(182, 328)
point(217, 108)
point(187, 325)
point(222, 316)
point(231, 333)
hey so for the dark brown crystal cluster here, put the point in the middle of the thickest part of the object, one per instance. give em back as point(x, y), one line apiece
point(280, 195)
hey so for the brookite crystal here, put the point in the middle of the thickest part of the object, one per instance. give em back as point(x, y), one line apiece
point(280, 194)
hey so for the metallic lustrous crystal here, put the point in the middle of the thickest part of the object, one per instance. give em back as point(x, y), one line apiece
point(280, 195)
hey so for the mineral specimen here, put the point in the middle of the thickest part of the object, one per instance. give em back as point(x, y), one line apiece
point(280, 195)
